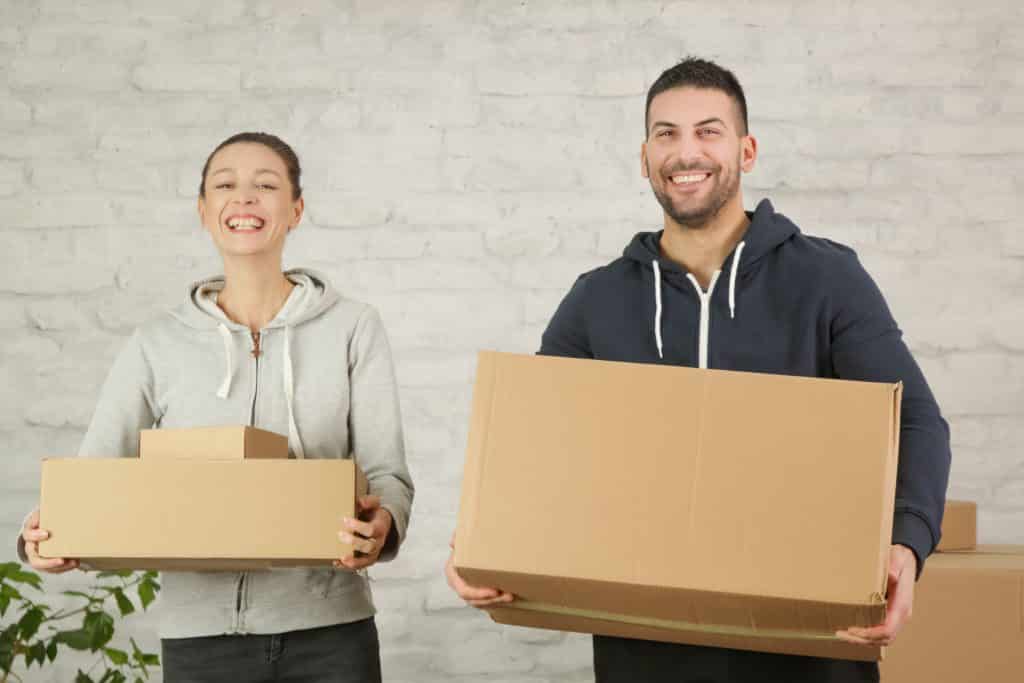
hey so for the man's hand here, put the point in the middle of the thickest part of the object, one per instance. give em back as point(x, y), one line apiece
point(366, 535)
point(902, 574)
point(477, 596)
point(32, 535)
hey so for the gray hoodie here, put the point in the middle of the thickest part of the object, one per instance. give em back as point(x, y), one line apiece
point(324, 377)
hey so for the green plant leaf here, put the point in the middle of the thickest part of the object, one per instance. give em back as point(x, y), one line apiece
point(78, 639)
point(123, 573)
point(86, 596)
point(151, 659)
point(123, 603)
point(119, 657)
point(18, 575)
point(82, 677)
point(38, 651)
point(29, 623)
point(147, 592)
point(5, 601)
point(51, 650)
point(100, 626)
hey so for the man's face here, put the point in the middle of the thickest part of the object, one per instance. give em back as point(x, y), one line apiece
point(694, 152)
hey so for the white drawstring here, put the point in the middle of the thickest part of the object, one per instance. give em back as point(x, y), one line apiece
point(289, 396)
point(229, 363)
point(657, 306)
point(732, 279)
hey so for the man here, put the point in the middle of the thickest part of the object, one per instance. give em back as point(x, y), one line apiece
point(723, 288)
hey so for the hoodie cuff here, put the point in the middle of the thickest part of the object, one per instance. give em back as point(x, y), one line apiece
point(20, 543)
point(912, 531)
point(395, 536)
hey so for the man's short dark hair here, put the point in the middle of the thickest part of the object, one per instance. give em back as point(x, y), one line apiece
point(693, 72)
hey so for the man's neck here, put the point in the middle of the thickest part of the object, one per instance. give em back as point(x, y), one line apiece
point(254, 291)
point(702, 249)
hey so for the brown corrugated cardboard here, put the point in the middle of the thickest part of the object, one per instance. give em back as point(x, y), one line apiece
point(721, 508)
point(131, 513)
point(959, 526)
point(212, 443)
point(968, 622)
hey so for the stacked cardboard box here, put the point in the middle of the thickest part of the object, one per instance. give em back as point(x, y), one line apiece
point(698, 506)
point(968, 622)
point(216, 498)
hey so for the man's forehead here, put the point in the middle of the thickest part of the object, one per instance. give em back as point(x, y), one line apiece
point(688, 106)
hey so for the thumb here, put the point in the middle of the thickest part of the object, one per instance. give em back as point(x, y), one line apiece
point(368, 502)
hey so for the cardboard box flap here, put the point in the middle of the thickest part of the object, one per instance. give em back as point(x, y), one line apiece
point(714, 468)
point(682, 608)
point(778, 643)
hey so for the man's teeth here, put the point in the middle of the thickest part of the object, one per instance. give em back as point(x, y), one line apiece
point(682, 179)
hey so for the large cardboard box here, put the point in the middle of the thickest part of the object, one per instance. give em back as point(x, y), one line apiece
point(212, 443)
point(968, 622)
point(959, 526)
point(171, 512)
point(695, 506)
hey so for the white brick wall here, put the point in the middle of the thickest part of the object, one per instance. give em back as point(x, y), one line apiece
point(464, 161)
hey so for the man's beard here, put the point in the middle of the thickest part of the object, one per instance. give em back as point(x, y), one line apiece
point(698, 216)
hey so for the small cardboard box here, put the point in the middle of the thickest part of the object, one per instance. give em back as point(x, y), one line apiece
point(129, 513)
point(212, 443)
point(729, 509)
point(968, 622)
point(959, 526)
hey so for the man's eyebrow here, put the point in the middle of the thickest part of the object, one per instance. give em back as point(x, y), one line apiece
point(663, 124)
point(713, 119)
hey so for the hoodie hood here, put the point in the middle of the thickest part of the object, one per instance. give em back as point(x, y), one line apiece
point(311, 296)
point(767, 231)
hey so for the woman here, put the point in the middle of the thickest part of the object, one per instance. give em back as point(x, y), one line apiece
point(281, 351)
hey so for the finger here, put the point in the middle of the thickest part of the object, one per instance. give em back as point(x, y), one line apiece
point(356, 563)
point(66, 567)
point(850, 638)
point(47, 563)
point(367, 503)
point(363, 545)
point(356, 526)
point(451, 543)
point(502, 599)
point(35, 535)
point(875, 633)
point(33, 520)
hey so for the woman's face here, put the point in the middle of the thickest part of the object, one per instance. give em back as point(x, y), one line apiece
point(248, 208)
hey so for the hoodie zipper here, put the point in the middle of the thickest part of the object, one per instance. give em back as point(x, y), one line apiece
point(705, 315)
point(240, 590)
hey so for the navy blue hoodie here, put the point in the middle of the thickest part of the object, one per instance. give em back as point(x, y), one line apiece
point(783, 303)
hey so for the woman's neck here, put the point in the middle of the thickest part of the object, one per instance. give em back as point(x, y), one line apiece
point(253, 293)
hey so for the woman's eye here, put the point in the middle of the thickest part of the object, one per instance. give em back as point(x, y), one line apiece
point(266, 187)
point(224, 186)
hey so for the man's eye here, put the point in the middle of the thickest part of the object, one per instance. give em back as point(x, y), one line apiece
point(664, 133)
point(708, 131)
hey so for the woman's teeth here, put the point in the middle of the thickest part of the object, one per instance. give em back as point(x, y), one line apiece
point(245, 223)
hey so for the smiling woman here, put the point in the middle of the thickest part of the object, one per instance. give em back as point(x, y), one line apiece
point(283, 351)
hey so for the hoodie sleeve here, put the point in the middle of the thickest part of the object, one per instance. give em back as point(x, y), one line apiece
point(566, 334)
point(125, 406)
point(375, 425)
point(868, 345)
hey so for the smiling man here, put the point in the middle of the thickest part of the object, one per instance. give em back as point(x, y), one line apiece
point(723, 288)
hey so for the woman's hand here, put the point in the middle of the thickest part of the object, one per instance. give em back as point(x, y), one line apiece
point(32, 535)
point(366, 535)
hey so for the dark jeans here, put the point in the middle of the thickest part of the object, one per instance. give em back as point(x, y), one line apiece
point(346, 653)
point(622, 660)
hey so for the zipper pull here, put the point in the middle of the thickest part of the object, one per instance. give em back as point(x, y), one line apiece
point(255, 344)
